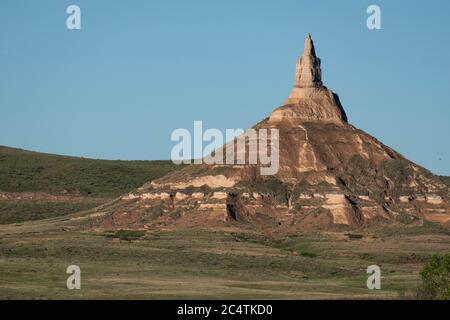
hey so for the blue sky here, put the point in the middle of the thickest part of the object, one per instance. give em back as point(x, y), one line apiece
point(137, 70)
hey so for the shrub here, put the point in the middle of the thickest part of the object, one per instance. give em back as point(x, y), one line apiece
point(435, 277)
point(129, 235)
point(308, 254)
point(353, 236)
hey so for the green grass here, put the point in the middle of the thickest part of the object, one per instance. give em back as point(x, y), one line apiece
point(85, 183)
point(22, 170)
point(14, 211)
point(414, 230)
point(206, 264)
point(127, 235)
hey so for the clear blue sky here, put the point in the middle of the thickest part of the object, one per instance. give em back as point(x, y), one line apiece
point(139, 69)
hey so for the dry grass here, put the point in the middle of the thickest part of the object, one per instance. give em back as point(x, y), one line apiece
point(210, 264)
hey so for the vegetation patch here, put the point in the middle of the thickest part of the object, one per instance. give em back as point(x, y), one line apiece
point(413, 230)
point(269, 185)
point(128, 235)
point(15, 211)
point(435, 277)
point(26, 171)
point(353, 236)
point(406, 218)
point(308, 254)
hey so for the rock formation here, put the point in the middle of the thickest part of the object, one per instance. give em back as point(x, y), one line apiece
point(331, 175)
point(308, 73)
point(309, 99)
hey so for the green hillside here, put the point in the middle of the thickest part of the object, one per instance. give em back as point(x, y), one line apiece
point(81, 183)
point(22, 170)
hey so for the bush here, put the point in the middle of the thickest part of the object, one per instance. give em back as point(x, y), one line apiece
point(435, 277)
point(129, 235)
point(353, 236)
point(308, 254)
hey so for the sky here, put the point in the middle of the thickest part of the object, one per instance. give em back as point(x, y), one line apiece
point(139, 69)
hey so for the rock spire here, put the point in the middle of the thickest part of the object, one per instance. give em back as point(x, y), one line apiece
point(309, 100)
point(308, 72)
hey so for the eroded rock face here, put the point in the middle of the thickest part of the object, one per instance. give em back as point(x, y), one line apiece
point(331, 175)
point(310, 105)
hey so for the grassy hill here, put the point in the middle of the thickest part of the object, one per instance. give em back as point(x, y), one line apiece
point(92, 181)
point(22, 170)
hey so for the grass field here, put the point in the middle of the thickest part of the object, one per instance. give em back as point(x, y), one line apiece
point(222, 263)
point(80, 183)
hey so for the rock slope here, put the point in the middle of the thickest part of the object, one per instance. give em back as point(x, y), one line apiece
point(331, 176)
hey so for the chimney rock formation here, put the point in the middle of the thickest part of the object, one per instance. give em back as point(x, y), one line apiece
point(308, 73)
point(331, 175)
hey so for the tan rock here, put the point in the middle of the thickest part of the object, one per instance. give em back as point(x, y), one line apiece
point(338, 206)
point(433, 199)
point(210, 181)
point(180, 196)
point(404, 199)
point(219, 195)
point(198, 195)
